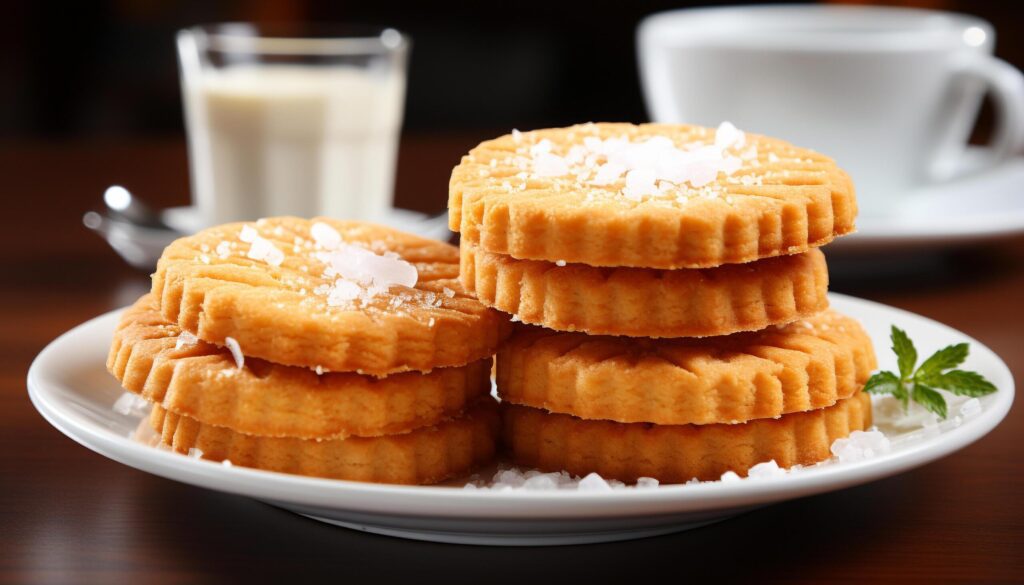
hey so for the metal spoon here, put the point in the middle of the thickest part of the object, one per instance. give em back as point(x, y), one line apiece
point(133, 229)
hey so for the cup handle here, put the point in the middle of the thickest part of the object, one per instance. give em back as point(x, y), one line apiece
point(1005, 84)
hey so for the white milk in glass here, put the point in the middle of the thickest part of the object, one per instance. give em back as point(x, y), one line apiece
point(294, 140)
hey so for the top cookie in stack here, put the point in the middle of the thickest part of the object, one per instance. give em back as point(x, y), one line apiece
point(555, 224)
point(654, 232)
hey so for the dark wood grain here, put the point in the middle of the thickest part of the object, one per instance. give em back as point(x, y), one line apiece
point(68, 515)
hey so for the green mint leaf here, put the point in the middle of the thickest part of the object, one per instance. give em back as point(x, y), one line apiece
point(948, 357)
point(906, 353)
point(883, 383)
point(961, 382)
point(930, 399)
point(902, 395)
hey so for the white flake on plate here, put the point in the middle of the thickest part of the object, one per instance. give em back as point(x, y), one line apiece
point(730, 476)
point(195, 453)
point(535, 480)
point(765, 469)
point(971, 407)
point(860, 446)
point(130, 404)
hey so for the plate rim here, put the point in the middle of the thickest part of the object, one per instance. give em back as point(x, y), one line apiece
point(452, 503)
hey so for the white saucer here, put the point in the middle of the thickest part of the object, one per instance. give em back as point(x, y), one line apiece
point(979, 207)
point(186, 220)
point(71, 389)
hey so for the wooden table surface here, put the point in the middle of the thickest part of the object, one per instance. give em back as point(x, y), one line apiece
point(68, 515)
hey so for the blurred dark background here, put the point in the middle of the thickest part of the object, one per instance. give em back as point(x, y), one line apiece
point(95, 70)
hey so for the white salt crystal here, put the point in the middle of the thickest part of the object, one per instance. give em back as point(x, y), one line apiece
point(248, 234)
point(448, 292)
point(185, 339)
point(646, 483)
point(971, 407)
point(542, 147)
point(517, 136)
point(594, 483)
point(766, 469)
point(730, 476)
point(343, 292)
point(227, 463)
point(236, 351)
point(130, 404)
point(559, 262)
point(195, 453)
point(265, 250)
point(728, 136)
point(608, 173)
point(888, 411)
point(550, 165)
point(860, 446)
point(365, 267)
point(325, 236)
point(640, 182)
point(223, 249)
point(544, 481)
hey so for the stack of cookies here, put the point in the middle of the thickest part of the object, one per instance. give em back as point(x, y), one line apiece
point(317, 347)
point(676, 323)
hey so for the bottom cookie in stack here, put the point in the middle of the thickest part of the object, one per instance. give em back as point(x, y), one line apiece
point(410, 428)
point(679, 409)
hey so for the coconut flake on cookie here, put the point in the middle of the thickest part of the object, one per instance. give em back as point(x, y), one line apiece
point(260, 248)
point(649, 168)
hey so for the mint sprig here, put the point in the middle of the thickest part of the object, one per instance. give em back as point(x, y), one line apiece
point(919, 383)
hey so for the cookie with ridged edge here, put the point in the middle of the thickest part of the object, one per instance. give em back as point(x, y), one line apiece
point(676, 454)
point(428, 455)
point(648, 302)
point(782, 200)
point(280, 309)
point(149, 357)
point(806, 365)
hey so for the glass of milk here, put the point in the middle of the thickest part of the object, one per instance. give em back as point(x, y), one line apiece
point(285, 122)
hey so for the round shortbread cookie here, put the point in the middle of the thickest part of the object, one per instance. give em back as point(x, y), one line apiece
point(806, 365)
point(647, 302)
point(327, 294)
point(152, 358)
point(606, 195)
point(676, 454)
point(428, 455)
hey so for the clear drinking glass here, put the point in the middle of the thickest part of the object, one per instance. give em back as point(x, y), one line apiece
point(285, 121)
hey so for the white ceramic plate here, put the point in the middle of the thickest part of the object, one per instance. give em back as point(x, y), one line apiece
point(70, 387)
point(984, 206)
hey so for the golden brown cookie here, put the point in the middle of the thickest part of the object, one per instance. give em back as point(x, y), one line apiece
point(806, 365)
point(603, 195)
point(428, 455)
point(676, 454)
point(647, 302)
point(189, 377)
point(335, 295)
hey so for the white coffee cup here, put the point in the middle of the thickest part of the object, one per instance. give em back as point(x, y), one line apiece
point(892, 94)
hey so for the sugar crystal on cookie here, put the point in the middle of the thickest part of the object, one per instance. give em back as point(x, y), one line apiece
point(648, 168)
